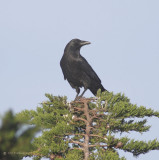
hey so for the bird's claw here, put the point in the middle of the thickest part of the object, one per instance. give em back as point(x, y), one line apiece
point(79, 98)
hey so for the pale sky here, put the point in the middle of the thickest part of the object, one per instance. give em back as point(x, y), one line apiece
point(124, 51)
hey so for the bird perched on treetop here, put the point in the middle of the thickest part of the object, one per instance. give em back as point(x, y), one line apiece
point(77, 70)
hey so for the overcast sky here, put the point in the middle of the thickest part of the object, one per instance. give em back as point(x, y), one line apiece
point(124, 51)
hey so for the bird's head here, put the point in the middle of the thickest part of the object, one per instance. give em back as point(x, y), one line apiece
point(76, 44)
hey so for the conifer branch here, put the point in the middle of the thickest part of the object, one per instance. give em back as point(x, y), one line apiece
point(93, 135)
point(81, 119)
point(97, 145)
point(76, 142)
point(89, 122)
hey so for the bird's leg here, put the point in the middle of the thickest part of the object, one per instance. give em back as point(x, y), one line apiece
point(78, 91)
point(83, 92)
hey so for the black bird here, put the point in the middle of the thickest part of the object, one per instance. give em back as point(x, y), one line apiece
point(77, 70)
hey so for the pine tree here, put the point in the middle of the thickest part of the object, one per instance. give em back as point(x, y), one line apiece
point(86, 129)
point(14, 140)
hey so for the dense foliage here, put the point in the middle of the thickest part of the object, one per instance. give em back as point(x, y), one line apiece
point(15, 138)
point(86, 129)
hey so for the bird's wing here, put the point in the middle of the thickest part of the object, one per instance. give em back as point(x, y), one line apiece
point(64, 70)
point(85, 67)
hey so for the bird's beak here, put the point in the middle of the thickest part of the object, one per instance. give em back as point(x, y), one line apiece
point(85, 43)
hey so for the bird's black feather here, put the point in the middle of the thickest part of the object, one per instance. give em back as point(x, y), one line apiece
point(77, 70)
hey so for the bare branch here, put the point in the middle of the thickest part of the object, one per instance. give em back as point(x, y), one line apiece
point(81, 119)
point(93, 135)
point(97, 145)
point(76, 142)
point(79, 109)
point(77, 148)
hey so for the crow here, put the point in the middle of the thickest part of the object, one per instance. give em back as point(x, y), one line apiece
point(77, 70)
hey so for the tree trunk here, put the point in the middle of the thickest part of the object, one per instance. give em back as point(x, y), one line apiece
point(86, 141)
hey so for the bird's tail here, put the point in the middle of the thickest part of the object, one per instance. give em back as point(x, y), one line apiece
point(94, 88)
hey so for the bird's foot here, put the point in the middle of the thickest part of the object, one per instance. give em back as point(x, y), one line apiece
point(79, 98)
